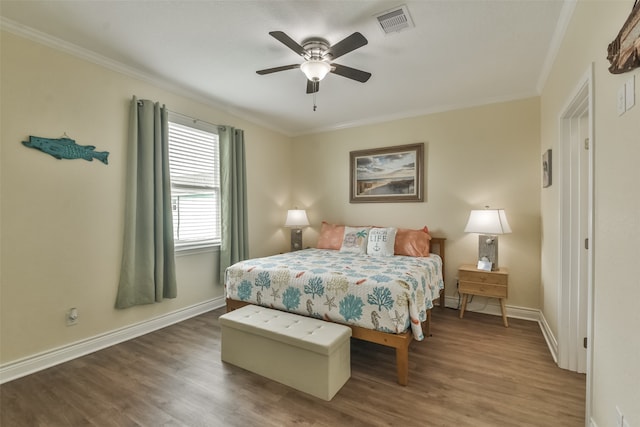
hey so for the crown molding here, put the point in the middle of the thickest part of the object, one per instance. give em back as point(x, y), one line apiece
point(75, 50)
point(561, 29)
point(113, 65)
point(418, 113)
point(90, 56)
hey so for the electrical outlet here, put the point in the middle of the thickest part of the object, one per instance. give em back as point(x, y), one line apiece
point(72, 316)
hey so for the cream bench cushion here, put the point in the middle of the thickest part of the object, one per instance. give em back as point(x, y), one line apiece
point(308, 354)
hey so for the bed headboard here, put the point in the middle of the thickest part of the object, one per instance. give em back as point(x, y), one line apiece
point(436, 246)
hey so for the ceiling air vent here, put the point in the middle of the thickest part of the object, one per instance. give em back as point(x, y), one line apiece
point(395, 19)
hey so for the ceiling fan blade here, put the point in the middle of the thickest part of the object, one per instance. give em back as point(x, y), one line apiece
point(351, 43)
point(276, 69)
point(350, 73)
point(312, 87)
point(288, 42)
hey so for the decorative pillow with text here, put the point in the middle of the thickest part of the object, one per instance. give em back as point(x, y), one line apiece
point(381, 241)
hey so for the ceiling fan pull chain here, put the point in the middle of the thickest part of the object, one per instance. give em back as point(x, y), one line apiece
point(314, 101)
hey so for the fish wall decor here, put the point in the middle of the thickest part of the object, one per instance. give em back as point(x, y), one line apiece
point(66, 148)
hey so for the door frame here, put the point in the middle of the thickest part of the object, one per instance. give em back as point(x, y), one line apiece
point(570, 312)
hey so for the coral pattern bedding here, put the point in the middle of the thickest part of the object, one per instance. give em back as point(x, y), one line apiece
point(387, 294)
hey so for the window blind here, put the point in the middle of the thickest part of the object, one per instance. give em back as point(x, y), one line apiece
point(194, 162)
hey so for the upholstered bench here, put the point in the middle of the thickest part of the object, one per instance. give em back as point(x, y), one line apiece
point(308, 354)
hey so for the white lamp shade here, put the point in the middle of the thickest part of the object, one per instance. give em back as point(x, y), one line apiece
point(488, 221)
point(296, 218)
point(315, 70)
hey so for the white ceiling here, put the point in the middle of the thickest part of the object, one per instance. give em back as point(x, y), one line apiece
point(460, 53)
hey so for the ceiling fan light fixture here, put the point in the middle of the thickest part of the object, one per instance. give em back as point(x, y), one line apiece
point(315, 70)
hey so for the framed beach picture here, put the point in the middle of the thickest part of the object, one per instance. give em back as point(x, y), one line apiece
point(390, 174)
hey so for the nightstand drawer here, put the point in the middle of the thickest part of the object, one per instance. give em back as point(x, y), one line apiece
point(482, 277)
point(486, 289)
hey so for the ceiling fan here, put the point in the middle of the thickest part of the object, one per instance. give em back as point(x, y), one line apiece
point(318, 54)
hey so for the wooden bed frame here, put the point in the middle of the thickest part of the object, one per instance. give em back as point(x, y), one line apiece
point(401, 341)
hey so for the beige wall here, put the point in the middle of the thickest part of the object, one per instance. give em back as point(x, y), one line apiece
point(61, 223)
point(474, 157)
point(616, 342)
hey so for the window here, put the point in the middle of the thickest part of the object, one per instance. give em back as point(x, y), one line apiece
point(194, 162)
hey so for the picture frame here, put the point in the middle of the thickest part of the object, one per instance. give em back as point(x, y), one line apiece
point(546, 169)
point(389, 174)
point(484, 265)
point(623, 52)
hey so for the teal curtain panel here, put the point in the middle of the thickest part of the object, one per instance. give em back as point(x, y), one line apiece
point(233, 191)
point(148, 272)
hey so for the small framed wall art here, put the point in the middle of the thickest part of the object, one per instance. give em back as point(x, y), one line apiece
point(390, 174)
point(546, 169)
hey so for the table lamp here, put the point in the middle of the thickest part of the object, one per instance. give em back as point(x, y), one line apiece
point(489, 223)
point(296, 219)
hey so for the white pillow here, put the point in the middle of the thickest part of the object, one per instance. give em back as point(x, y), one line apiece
point(355, 240)
point(381, 241)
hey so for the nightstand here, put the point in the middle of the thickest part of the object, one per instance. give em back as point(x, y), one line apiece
point(492, 284)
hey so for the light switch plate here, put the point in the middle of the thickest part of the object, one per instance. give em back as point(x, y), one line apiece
point(619, 417)
point(622, 107)
point(630, 95)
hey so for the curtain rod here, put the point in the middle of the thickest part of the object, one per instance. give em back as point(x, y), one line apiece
point(193, 119)
point(188, 118)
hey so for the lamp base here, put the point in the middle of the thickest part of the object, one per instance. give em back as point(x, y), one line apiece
point(296, 239)
point(488, 250)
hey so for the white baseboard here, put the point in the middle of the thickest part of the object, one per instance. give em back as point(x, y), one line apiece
point(532, 314)
point(551, 340)
point(28, 365)
point(491, 306)
point(40, 361)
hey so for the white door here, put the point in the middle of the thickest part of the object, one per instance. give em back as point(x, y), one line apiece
point(576, 207)
point(576, 203)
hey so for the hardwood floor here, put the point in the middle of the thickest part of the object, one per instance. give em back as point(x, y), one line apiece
point(471, 372)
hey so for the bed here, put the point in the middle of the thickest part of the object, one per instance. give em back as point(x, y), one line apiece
point(385, 300)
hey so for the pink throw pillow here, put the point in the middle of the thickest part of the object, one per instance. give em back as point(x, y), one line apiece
point(412, 242)
point(331, 236)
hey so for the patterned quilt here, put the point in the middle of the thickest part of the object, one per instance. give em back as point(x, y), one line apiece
point(388, 294)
